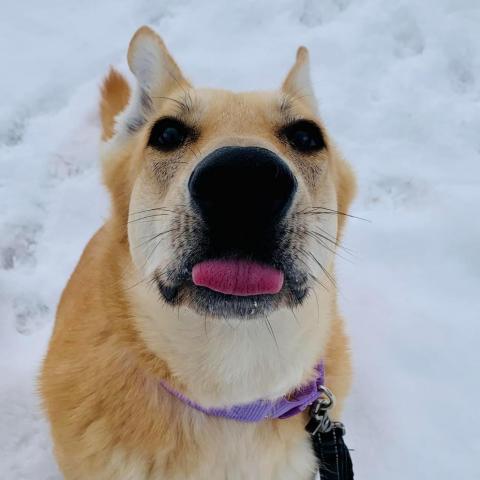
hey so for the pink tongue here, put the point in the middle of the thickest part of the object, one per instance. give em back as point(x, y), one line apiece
point(237, 277)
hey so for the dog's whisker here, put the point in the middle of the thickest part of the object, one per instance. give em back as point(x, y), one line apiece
point(149, 216)
point(148, 279)
point(164, 272)
point(303, 252)
point(312, 210)
point(181, 104)
point(317, 281)
point(314, 258)
point(318, 306)
point(324, 270)
point(205, 325)
point(155, 247)
point(184, 106)
point(288, 99)
point(228, 323)
point(350, 254)
point(271, 331)
point(172, 209)
point(146, 221)
point(294, 316)
point(149, 256)
point(328, 235)
point(156, 236)
point(318, 238)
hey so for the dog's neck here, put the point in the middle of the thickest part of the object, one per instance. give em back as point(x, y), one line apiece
point(224, 362)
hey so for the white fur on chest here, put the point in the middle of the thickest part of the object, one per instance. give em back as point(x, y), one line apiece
point(240, 452)
point(227, 362)
point(235, 452)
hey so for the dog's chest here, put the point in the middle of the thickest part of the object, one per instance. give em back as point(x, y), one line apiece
point(230, 453)
point(269, 455)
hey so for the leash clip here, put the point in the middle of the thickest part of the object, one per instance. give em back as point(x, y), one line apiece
point(333, 456)
point(319, 419)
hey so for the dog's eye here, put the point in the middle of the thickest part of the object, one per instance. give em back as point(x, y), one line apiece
point(304, 136)
point(168, 134)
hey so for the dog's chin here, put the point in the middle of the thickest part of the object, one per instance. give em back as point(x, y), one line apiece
point(213, 304)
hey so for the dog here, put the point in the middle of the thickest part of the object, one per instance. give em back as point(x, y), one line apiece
point(210, 285)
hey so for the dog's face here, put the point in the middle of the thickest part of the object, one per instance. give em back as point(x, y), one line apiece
point(234, 197)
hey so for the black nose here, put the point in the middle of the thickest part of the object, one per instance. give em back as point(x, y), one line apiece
point(238, 188)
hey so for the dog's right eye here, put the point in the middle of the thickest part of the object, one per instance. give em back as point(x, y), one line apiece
point(304, 136)
point(168, 134)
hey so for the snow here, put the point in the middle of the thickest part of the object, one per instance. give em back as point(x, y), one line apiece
point(399, 88)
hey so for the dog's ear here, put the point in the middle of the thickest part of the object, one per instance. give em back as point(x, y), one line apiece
point(298, 83)
point(151, 63)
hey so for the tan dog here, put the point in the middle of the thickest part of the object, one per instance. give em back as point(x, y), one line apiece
point(201, 181)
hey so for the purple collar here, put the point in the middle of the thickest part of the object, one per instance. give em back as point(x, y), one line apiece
point(261, 409)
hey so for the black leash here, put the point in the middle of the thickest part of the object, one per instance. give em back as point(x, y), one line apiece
point(332, 454)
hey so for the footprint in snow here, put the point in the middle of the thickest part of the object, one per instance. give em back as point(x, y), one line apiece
point(396, 191)
point(408, 38)
point(31, 314)
point(316, 13)
point(17, 244)
point(461, 74)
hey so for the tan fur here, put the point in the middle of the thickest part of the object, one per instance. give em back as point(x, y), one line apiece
point(115, 96)
point(113, 338)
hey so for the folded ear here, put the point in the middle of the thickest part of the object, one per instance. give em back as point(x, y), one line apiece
point(298, 83)
point(151, 63)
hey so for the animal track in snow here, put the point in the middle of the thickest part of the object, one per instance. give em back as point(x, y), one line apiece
point(408, 37)
point(17, 244)
point(30, 315)
point(317, 13)
point(396, 191)
point(461, 74)
point(13, 134)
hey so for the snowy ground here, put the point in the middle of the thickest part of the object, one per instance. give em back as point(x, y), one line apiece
point(399, 88)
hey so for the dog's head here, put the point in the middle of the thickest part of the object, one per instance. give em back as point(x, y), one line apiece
point(234, 202)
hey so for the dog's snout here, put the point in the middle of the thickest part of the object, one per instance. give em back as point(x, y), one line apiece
point(242, 186)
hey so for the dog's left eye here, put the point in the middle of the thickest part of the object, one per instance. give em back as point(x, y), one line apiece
point(168, 134)
point(304, 136)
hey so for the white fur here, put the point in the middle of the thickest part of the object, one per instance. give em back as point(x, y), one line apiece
point(233, 451)
point(224, 362)
point(299, 82)
point(149, 62)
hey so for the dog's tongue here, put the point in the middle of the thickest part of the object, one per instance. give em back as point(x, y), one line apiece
point(237, 277)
